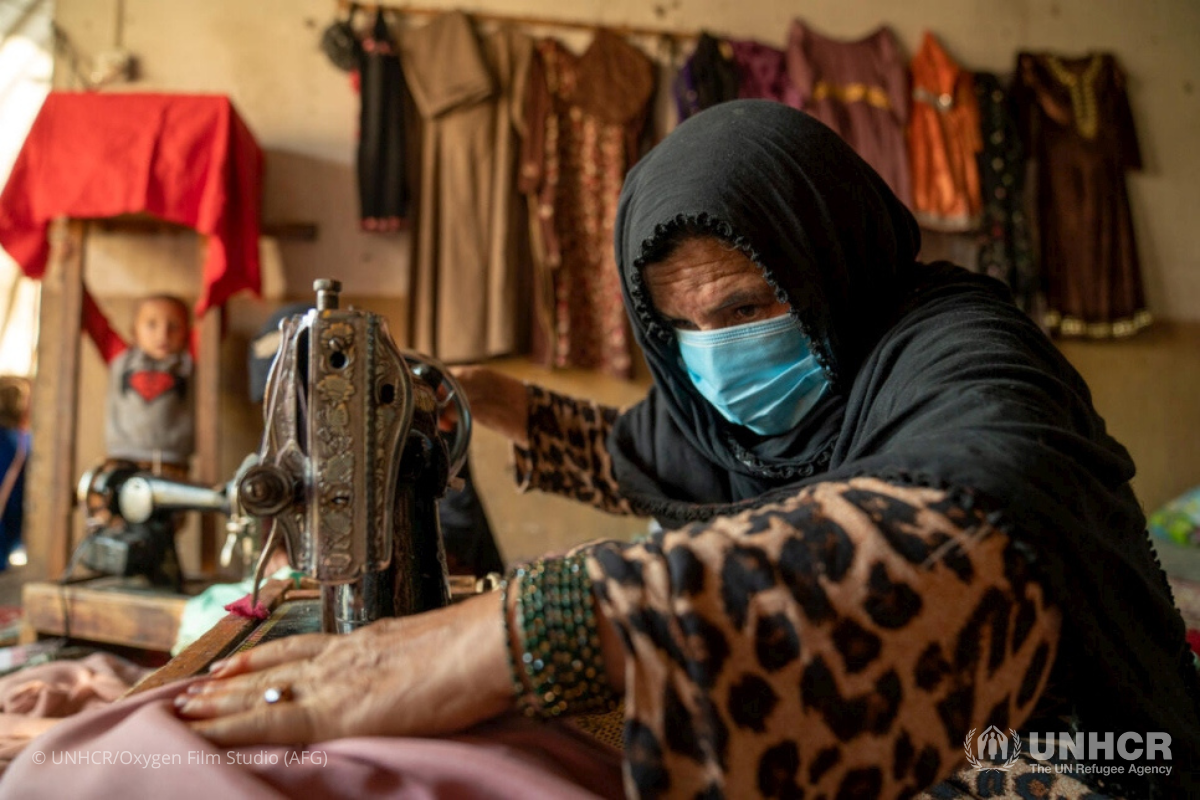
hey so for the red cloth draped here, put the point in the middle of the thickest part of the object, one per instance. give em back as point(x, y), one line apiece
point(187, 159)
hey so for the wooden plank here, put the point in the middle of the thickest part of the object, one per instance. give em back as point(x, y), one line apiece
point(68, 243)
point(220, 640)
point(207, 410)
point(133, 619)
point(208, 420)
point(145, 224)
point(290, 231)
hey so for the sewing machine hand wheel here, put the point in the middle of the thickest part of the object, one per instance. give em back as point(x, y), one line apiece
point(449, 392)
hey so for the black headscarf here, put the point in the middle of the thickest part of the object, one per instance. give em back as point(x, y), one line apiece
point(938, 380)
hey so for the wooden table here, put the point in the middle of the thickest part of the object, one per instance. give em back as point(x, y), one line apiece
point(108, 610)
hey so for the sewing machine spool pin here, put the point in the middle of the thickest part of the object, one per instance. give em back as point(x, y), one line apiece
point(327, 293)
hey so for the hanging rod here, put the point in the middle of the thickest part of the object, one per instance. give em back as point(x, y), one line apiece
point(550, 22)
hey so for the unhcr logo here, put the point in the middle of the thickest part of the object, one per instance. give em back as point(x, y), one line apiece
point(992, 749)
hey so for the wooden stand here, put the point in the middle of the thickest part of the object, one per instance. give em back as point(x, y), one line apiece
point(51, 529)
point(66, 271)
point(66, 268)
point(106, 610)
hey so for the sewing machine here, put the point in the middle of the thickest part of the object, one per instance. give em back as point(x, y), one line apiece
point(357, 449)
point(352, 464)
point(131, 521)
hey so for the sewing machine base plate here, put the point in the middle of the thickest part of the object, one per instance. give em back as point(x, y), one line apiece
point(290, 618)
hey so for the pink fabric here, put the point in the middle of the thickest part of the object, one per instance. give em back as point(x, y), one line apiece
point(242, 608)
point(63, 688)
point(33, 699)
point(509, 758)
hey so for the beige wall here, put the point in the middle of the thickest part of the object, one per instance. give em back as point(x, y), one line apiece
point(264, 55)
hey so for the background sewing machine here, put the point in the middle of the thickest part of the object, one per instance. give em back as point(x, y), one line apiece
point(132, 518)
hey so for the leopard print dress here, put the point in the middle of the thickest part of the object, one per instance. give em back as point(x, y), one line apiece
point(843, 642)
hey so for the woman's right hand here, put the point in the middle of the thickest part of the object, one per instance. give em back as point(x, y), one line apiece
point(497, 401)
point(422, 675)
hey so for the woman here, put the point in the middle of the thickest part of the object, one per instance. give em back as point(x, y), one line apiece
point(891, 520)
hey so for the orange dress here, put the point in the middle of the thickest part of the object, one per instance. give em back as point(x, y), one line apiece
point(943, 140)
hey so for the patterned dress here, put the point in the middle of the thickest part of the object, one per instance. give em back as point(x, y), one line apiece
point(584, 116)
point(1004, 248)
point(848, 641)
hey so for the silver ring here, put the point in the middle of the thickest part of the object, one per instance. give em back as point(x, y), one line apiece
point(277, 694)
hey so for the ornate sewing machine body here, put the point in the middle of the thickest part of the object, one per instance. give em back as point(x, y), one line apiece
point(352, 464)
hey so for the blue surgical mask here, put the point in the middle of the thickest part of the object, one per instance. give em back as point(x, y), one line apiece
point(762, 375)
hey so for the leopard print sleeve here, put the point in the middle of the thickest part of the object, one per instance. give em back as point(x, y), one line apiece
point(567, 454)
point(840, 643)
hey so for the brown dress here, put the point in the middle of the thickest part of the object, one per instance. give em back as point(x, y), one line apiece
point(584, 116)
point(1082, 138)
point(466, 263)
point(860, 89)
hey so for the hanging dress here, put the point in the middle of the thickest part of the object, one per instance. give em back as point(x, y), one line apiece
point(860, 89)
point(763, 73)
point(585, 115)
point(943, 140)
point(1004, 247)
point(1078, 122)
point(382, 175)
point(466, 258)
point(709, 76)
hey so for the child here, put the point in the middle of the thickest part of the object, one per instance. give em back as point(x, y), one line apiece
point(148, 419)
point(149, 409)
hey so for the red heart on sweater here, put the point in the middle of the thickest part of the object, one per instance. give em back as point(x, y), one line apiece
point(151, 385)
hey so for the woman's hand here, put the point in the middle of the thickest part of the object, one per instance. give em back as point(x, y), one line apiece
point(497, 401)
point(430, 673)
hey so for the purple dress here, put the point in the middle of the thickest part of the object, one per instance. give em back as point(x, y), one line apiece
point(763, 73)
point(860, 89)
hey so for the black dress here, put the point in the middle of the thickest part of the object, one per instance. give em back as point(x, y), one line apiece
point(382, 177)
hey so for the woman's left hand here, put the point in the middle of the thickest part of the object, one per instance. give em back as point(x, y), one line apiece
point(427, 674)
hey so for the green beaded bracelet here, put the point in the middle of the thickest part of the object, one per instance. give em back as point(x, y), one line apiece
point(561, 667)
point(511, 643)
